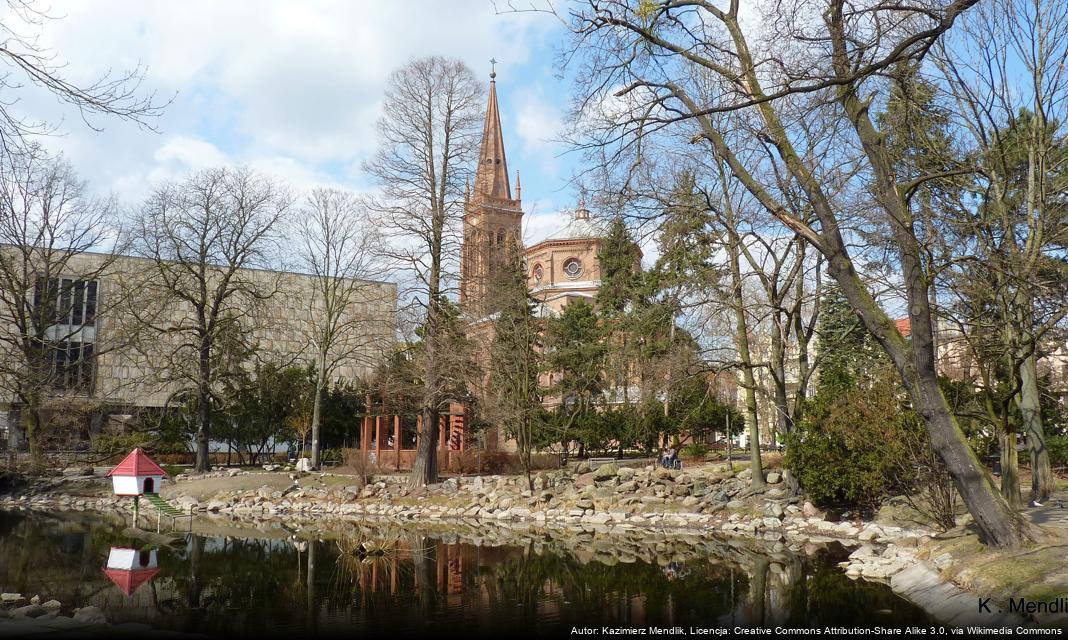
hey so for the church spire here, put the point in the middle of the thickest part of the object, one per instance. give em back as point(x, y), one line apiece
point(491, 177)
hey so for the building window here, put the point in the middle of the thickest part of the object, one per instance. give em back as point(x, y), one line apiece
point(72, 302)
point(537, 273)
point(572, 268)
point(69, 308)
point(72, 366)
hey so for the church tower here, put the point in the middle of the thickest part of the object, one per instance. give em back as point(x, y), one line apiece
point(492, 218)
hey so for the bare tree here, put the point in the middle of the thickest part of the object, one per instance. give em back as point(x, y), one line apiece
point(1006, 76)
point(664, 65)
point(50, 284)
point(336, 245)
point(112, 94)
point(427, 141)
point(202, 237)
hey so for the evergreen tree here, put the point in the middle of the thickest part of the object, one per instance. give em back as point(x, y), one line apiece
point(847, 353)
point(513, 400)
point(575, 353)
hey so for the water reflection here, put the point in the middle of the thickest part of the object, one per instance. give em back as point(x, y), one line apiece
point(396, 580)
point(130, 569)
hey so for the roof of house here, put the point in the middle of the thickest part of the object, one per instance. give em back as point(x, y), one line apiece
point(904, 327)
point(137, 464)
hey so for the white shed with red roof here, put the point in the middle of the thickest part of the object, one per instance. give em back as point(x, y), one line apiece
point(136, 475)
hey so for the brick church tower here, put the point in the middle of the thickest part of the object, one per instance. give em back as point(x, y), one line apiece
point(492, 218)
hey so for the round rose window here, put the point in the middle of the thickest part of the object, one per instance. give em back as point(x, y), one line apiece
point(572, 268)
point(537, 272)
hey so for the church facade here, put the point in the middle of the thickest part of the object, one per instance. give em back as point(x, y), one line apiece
point(562, 267)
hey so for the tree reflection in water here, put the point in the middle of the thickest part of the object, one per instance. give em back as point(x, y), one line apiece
point(395, 579)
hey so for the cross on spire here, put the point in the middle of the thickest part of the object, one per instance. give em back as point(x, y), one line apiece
point(493, 68)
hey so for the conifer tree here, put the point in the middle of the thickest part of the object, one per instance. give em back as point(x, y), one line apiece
point(514, 401)
point(575, 354)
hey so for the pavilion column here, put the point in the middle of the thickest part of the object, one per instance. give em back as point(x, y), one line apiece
point(461, 422)
point(365, 435)
point(378, 439)
point(443, 440)
point(396, 440)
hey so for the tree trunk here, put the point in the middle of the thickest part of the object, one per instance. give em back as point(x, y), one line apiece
point(317, 403)
point(748, 381)
point(203, 464)
point(425, 467)
point(1010, 469)
point(33, 434)
point(1042, 480)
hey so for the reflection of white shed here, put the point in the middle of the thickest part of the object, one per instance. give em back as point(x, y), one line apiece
point(136, 475)
point(130, 568)
point(131, 559)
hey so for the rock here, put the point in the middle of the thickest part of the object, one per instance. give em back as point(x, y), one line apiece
point(626, 473)
point(78, 471)
point(35, 600)
point(745, 474)
point(652, 500)
point(605, 472)
point(735, 504)
point(583, 467)
point(29, 611)
point(627, 487)
point(585, 480)
point(584, 504)
point(809, 510)
point(11, 597)
point(772, 523)
point(774, 477)
point(230, 473)
point(863, 551)
point(186, 503)
point(90, 615)
point(52, 605)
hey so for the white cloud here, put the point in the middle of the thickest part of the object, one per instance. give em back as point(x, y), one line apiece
point(539, 126)
point(295, 87)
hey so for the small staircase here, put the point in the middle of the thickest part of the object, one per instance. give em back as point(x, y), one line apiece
point(167, 509)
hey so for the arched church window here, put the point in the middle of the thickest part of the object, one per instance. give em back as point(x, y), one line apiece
point(500, 238)
point(538, 273)
point(572, 268)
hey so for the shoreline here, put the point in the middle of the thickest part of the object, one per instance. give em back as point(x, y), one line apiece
point(897, 556)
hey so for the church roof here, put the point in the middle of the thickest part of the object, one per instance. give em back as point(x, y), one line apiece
point(579, 228)
point(491, 177)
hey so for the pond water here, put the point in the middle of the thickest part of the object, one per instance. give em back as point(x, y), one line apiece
point(403, 581)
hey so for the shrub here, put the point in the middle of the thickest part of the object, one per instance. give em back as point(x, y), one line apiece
point(359, 463)
point(493, 463)
point(172, 470)
point(696, 450)
point(1058, 450)
point(849, 450)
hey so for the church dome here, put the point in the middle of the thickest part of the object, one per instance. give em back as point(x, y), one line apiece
point(579, 228)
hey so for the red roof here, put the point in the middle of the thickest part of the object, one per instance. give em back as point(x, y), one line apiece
point(137, 464)
point(904, 326)
point(129, 580)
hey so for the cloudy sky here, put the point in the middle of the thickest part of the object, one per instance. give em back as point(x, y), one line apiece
point(294, 88)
